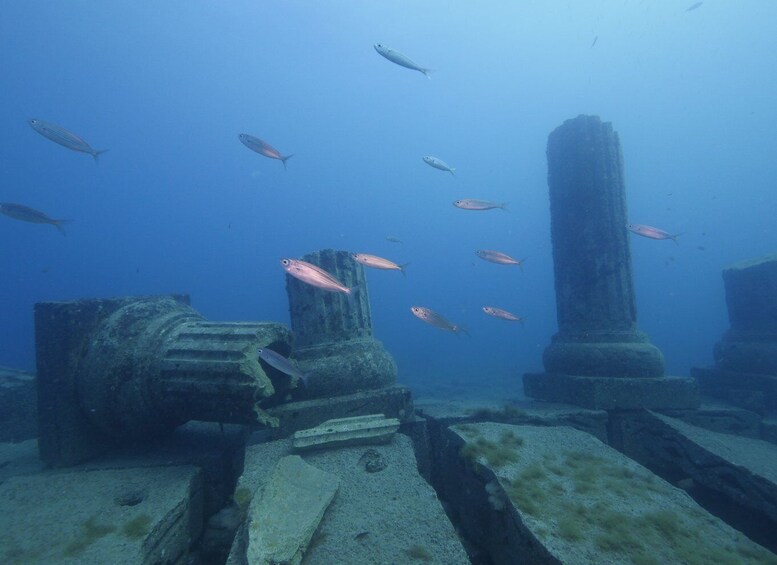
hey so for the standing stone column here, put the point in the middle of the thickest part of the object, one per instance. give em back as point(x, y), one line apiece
point(599, 358)
point(334, 343)
point(745, 371)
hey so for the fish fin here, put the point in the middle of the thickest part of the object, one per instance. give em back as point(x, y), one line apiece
point(427, 73)
point(451, 171)
point(402, 268)
point(461, 330)
point(97, 154)
point(503, 206)
point(521, 262)
point(674, 238)
point(58, 225)
point(352, 292)
point(284, 159)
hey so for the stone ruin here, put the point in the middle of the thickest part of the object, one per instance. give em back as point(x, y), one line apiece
point(162, 439)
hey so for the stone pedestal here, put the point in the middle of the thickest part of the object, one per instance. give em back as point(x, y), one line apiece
point(598, 336)
point(334, 343)
point(131, 368)
point(745, 371)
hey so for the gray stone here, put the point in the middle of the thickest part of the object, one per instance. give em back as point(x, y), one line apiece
point(751, 296)
point(721, 418)
point(356, 430)
point(751, 391)
point(335, 346)
point(383, 517)
point(607, 393)
point(733, 476)
point(126, 368)
point(556, 495)
point(283, 518)
point(74, 517)
point(18, 405)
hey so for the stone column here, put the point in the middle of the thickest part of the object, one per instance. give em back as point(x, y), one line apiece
point(598, 358)
point(334, 343)
point(745, 371)
point(130, 368)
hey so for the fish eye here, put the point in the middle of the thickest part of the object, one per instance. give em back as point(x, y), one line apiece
point(285, 261)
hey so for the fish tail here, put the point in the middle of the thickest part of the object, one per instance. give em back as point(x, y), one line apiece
point(451, 171)
point(58, 225)
point(503, 206)
point(402, 269)
point(674, 238)
point(427, 73)
point(521, 262)
point(97, 154)
point(286, 158)
point(461, 330)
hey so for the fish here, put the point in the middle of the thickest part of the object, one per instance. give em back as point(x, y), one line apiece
point(278, 361)
point(595, 40)
point(501, 314)
point(394, 239)
point(692, 7)
point(651, 232)
point(433, 318)
point(26, 214)
point(438, 164)
point(314, 276)
point(499, 258)
point(475, 204)
point(60, 135)
point(256, 144)
point(401, 60)
point(377, 262)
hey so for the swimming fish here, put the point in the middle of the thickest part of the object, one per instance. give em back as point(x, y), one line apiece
point(499, 258)
point(25, 214)
point(475, 204)
point(400, 59)
point(314, 275)
point(278, 361)
point(651, 232)
point(394, 239)
point(433, 318)
point(377, 262)
point(438, 164)
point(501, 314)
point(65, 138)
point(694, 6)
point(256, 144)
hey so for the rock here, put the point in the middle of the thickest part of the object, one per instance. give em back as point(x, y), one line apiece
point(18, 405)
point(357, 430)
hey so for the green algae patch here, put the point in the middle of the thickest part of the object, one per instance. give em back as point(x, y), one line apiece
point(138, 527)
point(91, 531)
point(419, 553)
point(585, 502)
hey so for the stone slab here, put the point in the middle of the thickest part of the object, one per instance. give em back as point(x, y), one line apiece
point(719, 417)
point(356, 430)
point(287, 512)
point(119, 516)
point(18, 405)
point(393, 402)
point(733, 476)
point(19, 459)
point(381, 517)
point(750, 391)
point(557, 495)
point(610, 393)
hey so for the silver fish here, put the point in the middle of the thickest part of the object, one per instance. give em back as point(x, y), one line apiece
point(377, 262)
point(438, 164)
point(475, 204)
point(651, 232)
point(60, 135)
point(314, 275)
point(498, 257)
point(393, 239)
point(400, 59)
point(25, 214)
point(501, 314)
point(278, 361)
point(263, 148)
point(433, 318)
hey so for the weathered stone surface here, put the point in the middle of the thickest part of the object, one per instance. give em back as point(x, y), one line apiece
point(751, 296)
point(283, 518)
point(556, 495)
point(607, 393)
point(721, 418)
point(19, 459)
point(392, 516)
point(18, 405)
point(335, 346)
point(356, 430)
point(616, 359)
point(137, 367)
point(394, 402)
point(755, 392)
point(133, 516)
point(735, 477)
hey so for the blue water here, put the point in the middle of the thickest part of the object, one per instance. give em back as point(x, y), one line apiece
point(178, 204)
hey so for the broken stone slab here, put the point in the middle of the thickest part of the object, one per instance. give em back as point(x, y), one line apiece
point(389, 516)
point(137, 516)
point(719, 417)
point(557, 495)
point(751, 391)
point(734, 476)
point(287, 513)
point(357, 430)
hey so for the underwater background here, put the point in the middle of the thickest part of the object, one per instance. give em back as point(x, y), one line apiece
point(178, 204)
